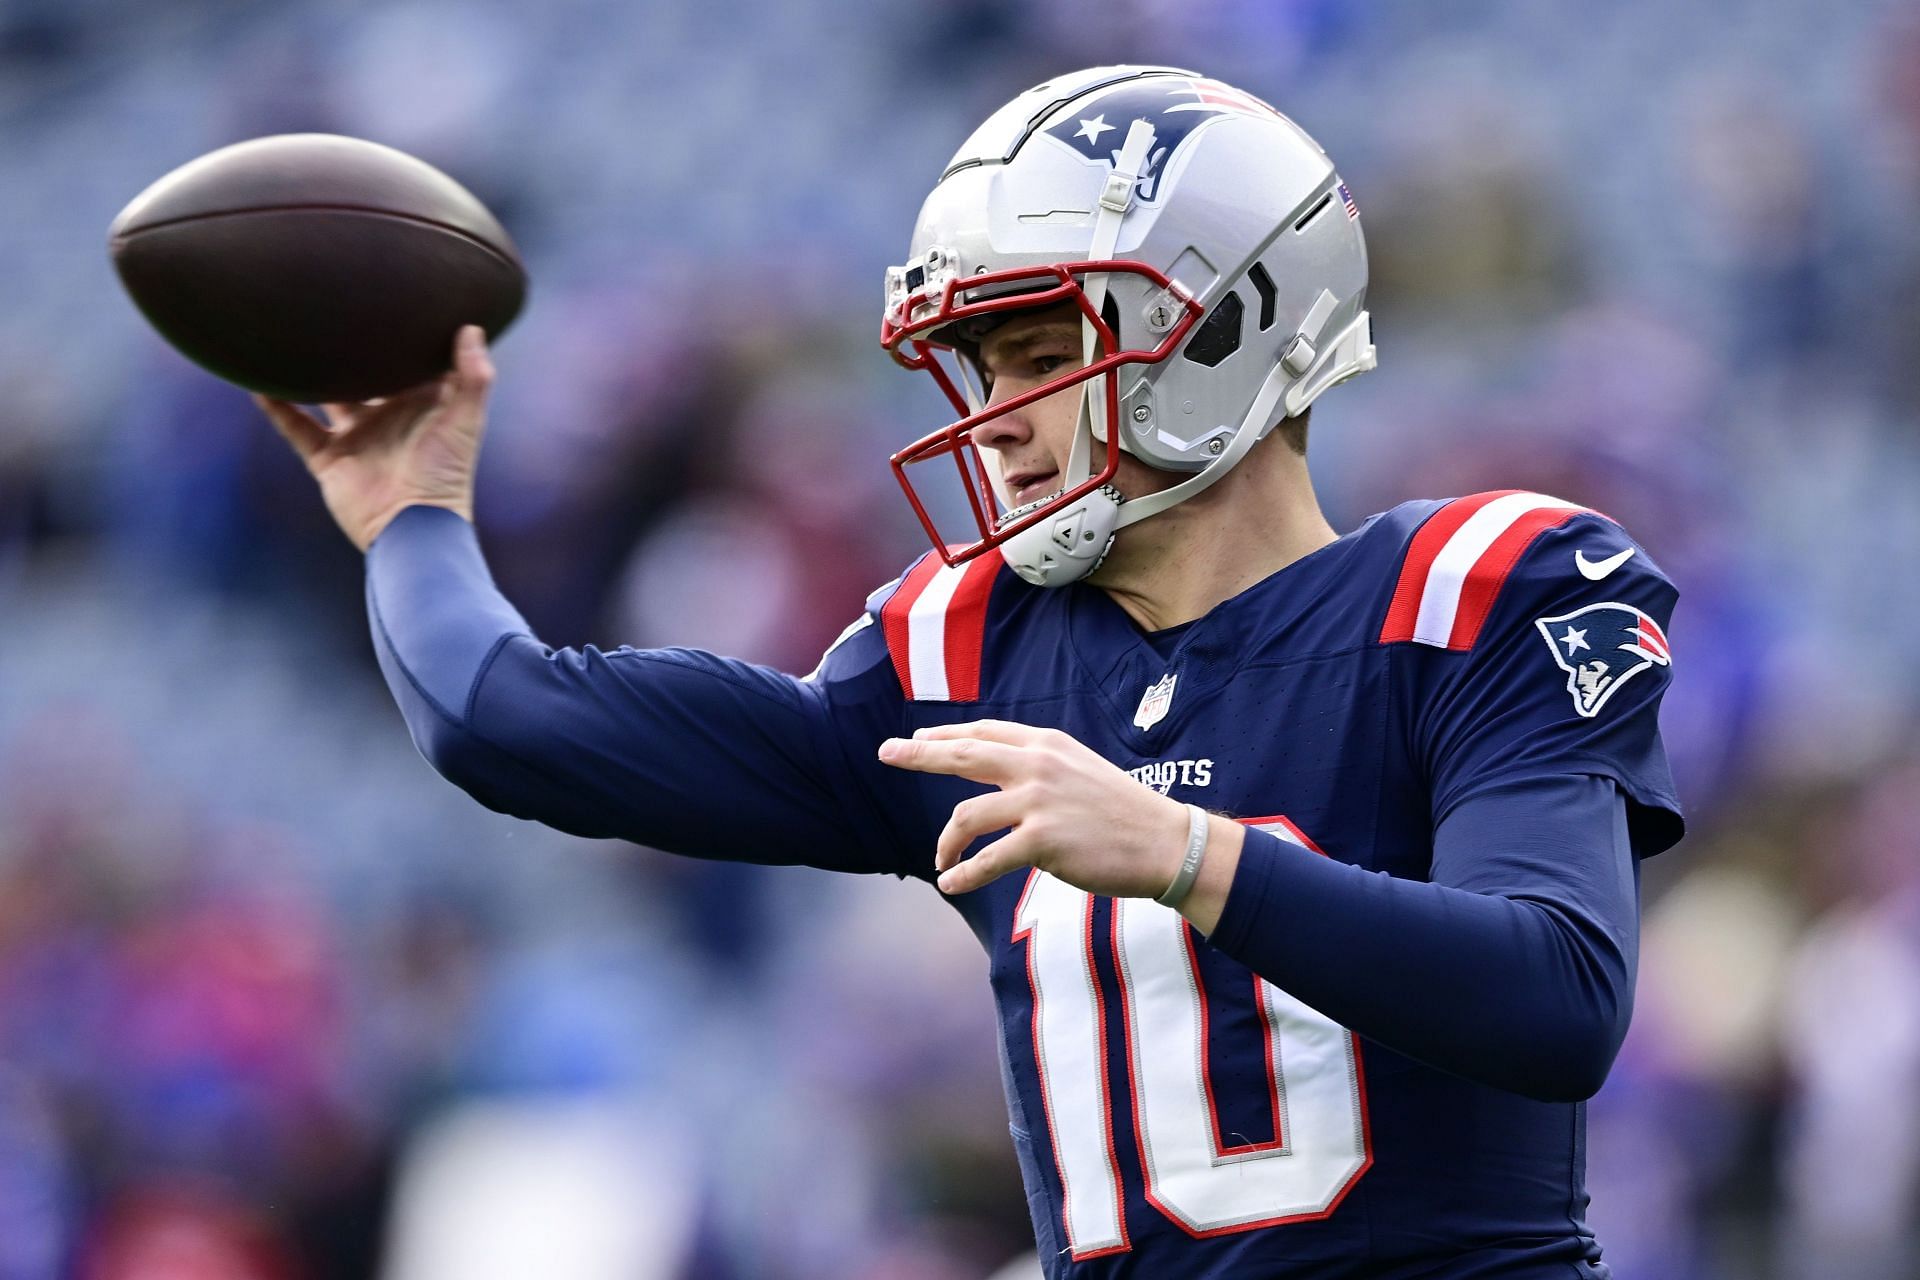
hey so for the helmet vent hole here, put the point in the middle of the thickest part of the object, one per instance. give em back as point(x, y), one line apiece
point(1264, 283)
point(1110, 312)
point(1219, 334)
point(1319, 208)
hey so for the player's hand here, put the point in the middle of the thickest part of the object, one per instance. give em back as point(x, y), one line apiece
point(375, 460)
point(1072, 813)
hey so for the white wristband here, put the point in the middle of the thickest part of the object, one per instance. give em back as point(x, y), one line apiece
point(1190, 866)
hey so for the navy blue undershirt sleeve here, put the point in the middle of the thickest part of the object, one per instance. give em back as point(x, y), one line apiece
point(1514, 967)
point(673, 748)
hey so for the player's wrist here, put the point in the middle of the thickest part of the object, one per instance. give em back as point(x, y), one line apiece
point(1207, 899)
point(364, 533)
point(1193, 850)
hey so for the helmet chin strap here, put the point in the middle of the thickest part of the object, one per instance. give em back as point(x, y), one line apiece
point(1259, 414)
point(1116, 197)
point(1071, 542)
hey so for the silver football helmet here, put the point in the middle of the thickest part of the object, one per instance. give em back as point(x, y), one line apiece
point(1218, 265)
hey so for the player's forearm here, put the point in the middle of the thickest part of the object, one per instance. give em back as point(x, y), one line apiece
point(1526, 994)
point(444, 634)
point(437, 618)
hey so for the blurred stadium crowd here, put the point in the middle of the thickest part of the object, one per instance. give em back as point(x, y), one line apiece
point(277, 1004)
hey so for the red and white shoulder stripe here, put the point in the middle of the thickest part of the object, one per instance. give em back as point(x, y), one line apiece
point(936, 627)
point(1460, 558)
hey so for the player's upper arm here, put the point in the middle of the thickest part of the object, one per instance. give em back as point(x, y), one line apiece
point(1538, 647)
point(685, 751)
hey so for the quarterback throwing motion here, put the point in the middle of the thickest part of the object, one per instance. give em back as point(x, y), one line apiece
point(1307, 862)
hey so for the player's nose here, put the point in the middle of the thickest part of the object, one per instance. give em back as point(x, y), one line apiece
point(1005, 430)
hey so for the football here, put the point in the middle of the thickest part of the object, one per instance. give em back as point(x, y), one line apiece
point(314, 267)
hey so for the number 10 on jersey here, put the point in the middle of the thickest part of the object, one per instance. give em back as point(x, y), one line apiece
point(1320, 1145)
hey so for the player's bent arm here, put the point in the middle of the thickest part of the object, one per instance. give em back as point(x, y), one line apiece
point(1514, 968)
point(676, 749)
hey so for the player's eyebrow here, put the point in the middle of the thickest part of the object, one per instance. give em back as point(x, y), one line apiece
point(998, 347)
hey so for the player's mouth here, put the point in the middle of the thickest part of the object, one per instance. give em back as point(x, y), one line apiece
point(1025, 487)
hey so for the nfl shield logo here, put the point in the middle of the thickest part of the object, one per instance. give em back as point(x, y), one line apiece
point(1154, 702)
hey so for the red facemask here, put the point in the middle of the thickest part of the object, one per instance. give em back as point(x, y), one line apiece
point(903, 333)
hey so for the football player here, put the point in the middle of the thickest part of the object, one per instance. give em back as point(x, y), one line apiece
point(1306, 862)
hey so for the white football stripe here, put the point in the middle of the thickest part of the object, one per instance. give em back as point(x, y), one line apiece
point(927, 634)
point(1282, 830)
point(1441, 598)
point(854, 628)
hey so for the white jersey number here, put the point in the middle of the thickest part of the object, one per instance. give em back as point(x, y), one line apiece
point(1320, 1146)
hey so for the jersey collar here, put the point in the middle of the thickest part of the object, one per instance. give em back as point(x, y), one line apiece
point(1122, 662)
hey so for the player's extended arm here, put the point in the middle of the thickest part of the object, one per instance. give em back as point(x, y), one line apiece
point(1514, 967)
point(678, 749)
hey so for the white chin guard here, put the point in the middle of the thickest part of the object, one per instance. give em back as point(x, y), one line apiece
point(1069, 544)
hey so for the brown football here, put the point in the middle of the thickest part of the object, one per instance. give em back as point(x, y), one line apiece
point(315, 267)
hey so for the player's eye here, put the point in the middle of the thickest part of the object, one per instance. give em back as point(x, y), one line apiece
point(1029, 366)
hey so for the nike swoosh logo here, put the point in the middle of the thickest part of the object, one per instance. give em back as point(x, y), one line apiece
point(1598, 569)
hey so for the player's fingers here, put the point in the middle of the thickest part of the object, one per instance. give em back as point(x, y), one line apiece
point(1008, 853)
point(973, 818)
point(964, 757)
point(295, 426)
point(1011, 732)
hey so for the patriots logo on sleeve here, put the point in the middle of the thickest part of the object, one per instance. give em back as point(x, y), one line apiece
point(1601, 647)
point(1175, 106)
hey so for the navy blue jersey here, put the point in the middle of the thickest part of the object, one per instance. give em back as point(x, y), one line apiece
point(1441, 732)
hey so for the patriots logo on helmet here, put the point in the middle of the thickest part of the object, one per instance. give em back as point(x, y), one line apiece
point(1176, 107)
point(1601, 647)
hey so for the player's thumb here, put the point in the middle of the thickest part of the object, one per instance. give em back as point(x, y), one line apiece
point(462, 400)
point(472, 365)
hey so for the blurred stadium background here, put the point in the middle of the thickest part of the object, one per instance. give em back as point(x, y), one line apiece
point(277, 1004)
